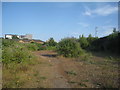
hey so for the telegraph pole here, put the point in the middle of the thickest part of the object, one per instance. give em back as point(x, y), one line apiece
point(96, 31)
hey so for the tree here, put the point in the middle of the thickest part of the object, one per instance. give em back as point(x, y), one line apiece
point(91, 39)
point(51, 42)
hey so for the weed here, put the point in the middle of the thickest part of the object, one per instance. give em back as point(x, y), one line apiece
point(50, 65)
point(36, 74)
point(42, 77)
point(72, 82)
point(82, 84)
point(71, 73)
point(85, 80)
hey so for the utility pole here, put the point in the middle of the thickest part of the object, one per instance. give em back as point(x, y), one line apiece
point(96, 31)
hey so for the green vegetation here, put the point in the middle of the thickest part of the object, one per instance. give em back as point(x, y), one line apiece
point(82, 84)
point(71, 73)
point(72, 82)
point(51, 42)
point(69, 47)
point(49, 45)
point(108, 44)
point(42, 77)
point(7, 42)
point(83, 42)
point(72, 47)
point(16, 52)
point(14, 37)
point(17, 58)
point(31, 46)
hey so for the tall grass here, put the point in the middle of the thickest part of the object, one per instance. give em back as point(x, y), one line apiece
point(16, 52)
point(17, 58)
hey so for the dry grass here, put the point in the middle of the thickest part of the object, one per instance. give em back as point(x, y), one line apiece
point(50, 72)
point(15, 74)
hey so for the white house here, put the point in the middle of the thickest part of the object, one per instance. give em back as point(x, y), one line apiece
point(27, 36)
point(9, 36)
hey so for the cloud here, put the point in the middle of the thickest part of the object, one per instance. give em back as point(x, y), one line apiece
point(83, 24)
point(75, 33)
point(88, 13)
point(103, 11)
point(105, 30)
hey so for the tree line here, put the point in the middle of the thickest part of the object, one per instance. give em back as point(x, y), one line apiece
point(73, 47)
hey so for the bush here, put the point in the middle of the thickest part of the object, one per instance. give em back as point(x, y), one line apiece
point(39, 46)
point(90, 39)
point(51, 48)
point(109, 44)
point(7, 42)
point(83, 42)
point(14, 51)
point(69, 47)
point(16, 54)
point(31, 46)
point(51, 42)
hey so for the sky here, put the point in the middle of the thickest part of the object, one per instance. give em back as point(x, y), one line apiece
point(59, 19)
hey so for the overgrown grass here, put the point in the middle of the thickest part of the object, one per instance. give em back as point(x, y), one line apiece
point(16, 53)
point(85, 57)
point(31, 46)
point(17, 59)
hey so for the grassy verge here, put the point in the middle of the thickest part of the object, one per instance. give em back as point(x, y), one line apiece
point(17, 59)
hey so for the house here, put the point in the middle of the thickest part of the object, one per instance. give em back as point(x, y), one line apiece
point(27, 36)
point(23, 38)
point(10, 36)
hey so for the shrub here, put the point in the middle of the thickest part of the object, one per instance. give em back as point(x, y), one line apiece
point(31, 46)
point(69, 47)
point(51, 42)
point(39, 46)
point(90, 39)
point(83, 42)
point(50, 48)
point(17, 53)
point(7, 42)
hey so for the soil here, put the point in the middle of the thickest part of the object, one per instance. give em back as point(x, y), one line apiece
point(53, 71)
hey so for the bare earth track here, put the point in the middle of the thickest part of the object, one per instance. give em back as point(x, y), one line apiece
point(52, 71)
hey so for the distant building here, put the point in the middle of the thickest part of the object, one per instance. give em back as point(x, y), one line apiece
point(28, 36)
point(10, 36)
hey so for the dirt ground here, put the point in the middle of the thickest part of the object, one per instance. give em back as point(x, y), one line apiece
point(53, 71)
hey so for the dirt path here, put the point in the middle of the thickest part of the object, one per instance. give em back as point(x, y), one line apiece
point(52, 71)
point(56, 76)
point(49, 72)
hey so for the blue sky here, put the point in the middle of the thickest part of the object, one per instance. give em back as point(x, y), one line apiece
point(59, 19)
